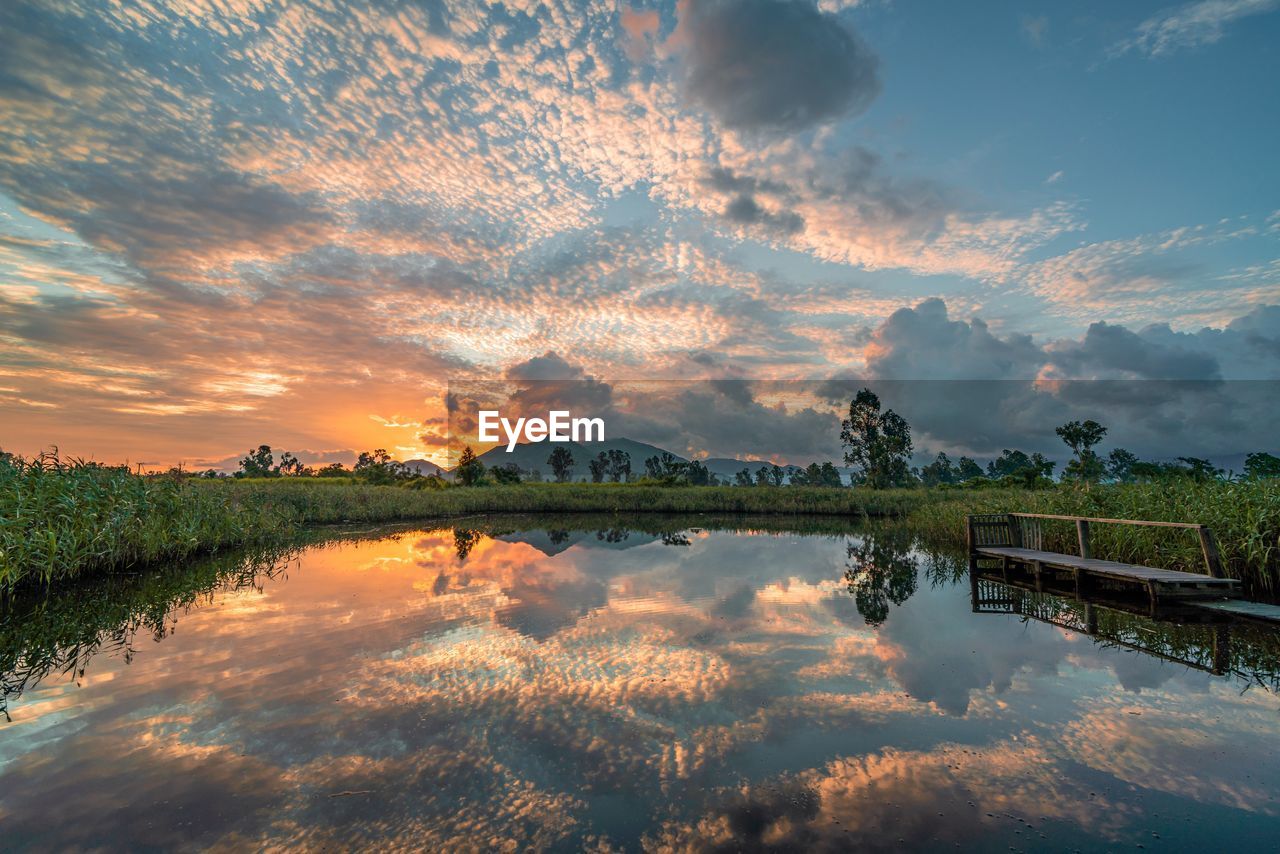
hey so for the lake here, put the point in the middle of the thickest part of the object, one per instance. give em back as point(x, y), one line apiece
point(573, 684)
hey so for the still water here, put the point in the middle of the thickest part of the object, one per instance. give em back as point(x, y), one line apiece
point(615, 689)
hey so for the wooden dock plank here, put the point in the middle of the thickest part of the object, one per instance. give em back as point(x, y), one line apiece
point(1110, 569)
point(1238, 608)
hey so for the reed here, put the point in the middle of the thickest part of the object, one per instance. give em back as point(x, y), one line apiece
point(309, 502)
point(59, 519)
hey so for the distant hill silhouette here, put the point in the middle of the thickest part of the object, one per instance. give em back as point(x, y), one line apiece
point(533, 455)
point(425, 467)
point(726, 468)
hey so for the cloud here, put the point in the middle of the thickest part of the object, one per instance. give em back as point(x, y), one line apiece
point(548, 366)
point(967, 389)
point(1190, 26)
point(1035, 28)
point(744, 210)
point(775, 65)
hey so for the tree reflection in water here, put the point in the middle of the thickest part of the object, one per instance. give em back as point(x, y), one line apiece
point(880, 570)
point(464, 540)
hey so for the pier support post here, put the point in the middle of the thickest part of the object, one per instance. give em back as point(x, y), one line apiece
point(1212, 560)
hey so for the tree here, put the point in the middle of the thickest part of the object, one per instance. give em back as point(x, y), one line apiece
point(1261, 464)
point(598, 465)
point(967, 469)
point(770, 475)
point(1120, 465)
point(1080, 437)
point(506, 474)
point(830, 475)
point(377, 467)
point(697, 474)
point(561, 462)
point(289, 466)
point(940, 471)
point(619, 466)
point(1201, 470)
point(878, 443)
point(332, 470)
point(665, 467)
point(1042, 465)
point(1016, 466)
point(880, 571)
point(257, 463)
point(743, 478)
point(470, 471)
point(1010, 462)
point(464, 540)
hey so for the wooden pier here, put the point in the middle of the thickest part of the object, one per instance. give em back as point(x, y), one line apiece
point(1016, 540)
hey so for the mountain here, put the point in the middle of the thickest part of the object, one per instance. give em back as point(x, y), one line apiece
point(726, 468)
point(532, 456)
point(425, 467)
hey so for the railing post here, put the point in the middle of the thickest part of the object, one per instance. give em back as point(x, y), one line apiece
point(1209, 546)
point(1082, 534)
point(1014, 528)
point(968, 533)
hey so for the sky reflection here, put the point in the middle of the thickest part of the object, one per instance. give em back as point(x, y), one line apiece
point(574, 689)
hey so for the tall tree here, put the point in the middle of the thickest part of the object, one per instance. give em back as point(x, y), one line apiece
point(1120, 465)
point(697, 474)
point(470, 471)
point(1080, 437)
point(258, 463)
point(290, 466)
point(665, 466)
point(877, 443)
point(939, 471)
point(1261, 464)
point(599, 466)
point(770, 475)
point(744, 478)
point(561, 462)
point(619, 466)
point(967, 469)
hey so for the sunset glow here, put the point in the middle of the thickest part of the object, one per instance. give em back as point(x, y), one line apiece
point(224, 224)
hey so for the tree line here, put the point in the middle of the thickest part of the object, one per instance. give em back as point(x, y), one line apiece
point(876, 442)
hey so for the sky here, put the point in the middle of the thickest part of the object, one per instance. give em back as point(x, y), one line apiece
point(230, 222)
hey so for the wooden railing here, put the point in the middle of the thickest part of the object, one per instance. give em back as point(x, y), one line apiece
point(1023, 531)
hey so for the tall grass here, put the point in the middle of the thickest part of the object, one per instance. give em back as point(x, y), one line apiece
point(310, 502)
point(59, 519)
point(1244, 517)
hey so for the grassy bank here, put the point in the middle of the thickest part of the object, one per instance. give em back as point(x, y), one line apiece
point(61, 521)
